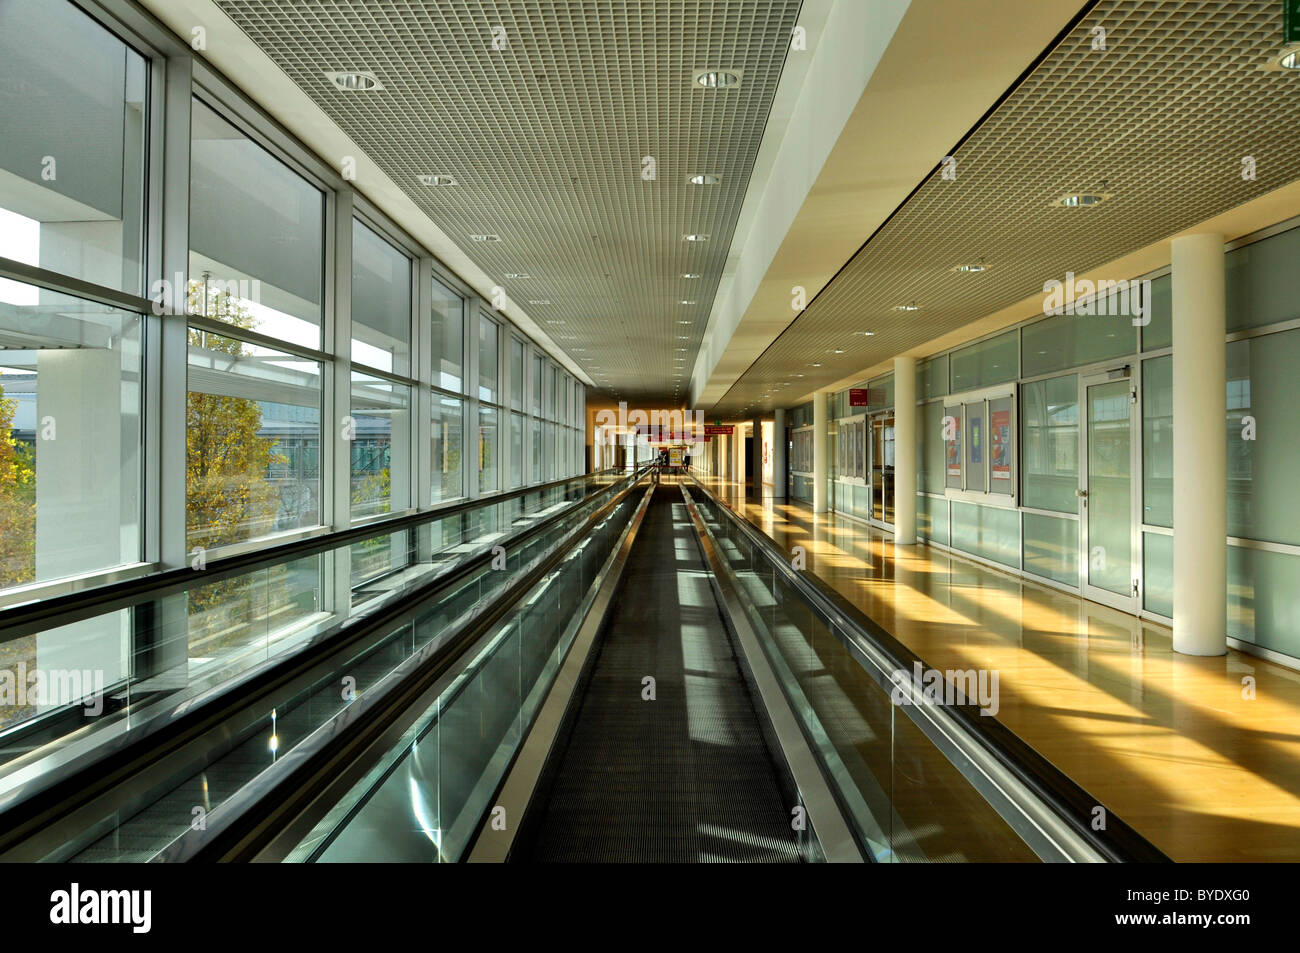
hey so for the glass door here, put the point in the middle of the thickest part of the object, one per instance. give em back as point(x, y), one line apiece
point(1106, 493)
point(882, 469)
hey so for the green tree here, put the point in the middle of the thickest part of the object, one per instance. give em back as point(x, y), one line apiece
point(17, 502)
point(228, 497)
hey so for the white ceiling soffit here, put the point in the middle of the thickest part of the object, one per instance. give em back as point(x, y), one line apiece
point(886, 90)
point(544, 113)
point(1161, 119)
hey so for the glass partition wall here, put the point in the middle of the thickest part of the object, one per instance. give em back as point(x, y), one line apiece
point(1047, 449)
point(212, 344)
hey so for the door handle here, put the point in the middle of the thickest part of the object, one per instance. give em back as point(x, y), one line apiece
point(1082, 493)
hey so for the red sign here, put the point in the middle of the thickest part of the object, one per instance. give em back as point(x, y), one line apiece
point(715, 430)
point(858, 397)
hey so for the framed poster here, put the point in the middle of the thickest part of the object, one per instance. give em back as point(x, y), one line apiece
point(952, 445)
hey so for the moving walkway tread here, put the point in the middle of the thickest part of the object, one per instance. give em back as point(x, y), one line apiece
point(687, 777)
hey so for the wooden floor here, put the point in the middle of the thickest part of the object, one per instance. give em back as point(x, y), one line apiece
point(1167, 742)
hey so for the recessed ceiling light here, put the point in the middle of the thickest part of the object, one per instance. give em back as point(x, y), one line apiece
point(866, 334)
point(438, 180)
point(485, 238)
point(704, 178)
point(685, 321)
point(690, 275)
point(695, 238)
point(1080, 200)
point(974, 269)
point(553, 321)
point(683, 301)
point(717, 78)
point(683, 337)
point(907, 307)
point(681, 349)
point(539, 300)
point(354, 81)
point(838, 350)
point(517, 274)
point(815, 365)
point(1290, 60)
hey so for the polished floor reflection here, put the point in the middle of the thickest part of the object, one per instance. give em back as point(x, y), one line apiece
point(1200, 755)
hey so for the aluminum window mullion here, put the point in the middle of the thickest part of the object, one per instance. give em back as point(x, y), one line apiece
point(248, 336)
point(336, 334)
point(422, 345)
point(171, 393)
point(470, 439)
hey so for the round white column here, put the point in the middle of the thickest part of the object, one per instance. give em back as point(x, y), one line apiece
point(820, 427)
point(1200, 450)
point(779, 474)
point(905, 438)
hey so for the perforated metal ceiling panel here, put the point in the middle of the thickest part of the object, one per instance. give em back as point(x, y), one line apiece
point(543, 112)
point(1160, 120)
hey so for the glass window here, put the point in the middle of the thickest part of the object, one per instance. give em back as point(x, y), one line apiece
point(989, 362)
point(252, 441)
point(1159, 331)
point(558, 407)
point(257, 235)
point(1158, 442)
point(1261, 598)
point(1052, 548)
point(1262, 281)
point(516, 374)
point(548, 389)
point(488, 333)
point(1072, 340)
point(880, 395)
point(1158, 574)
point(74, 116)
point(516, 450)
point(932, 454)
point(987, 531)
point(932, 378)
point(70, 435)
point(379, 442)
point(537, 385)
point(448, 338)
point(1263, 454)
point(488, 471)
point(381, 303)
point(1049, 449)
point(446, 449)
point(536, 454)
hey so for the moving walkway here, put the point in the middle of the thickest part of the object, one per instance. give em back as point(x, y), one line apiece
point(642, 677)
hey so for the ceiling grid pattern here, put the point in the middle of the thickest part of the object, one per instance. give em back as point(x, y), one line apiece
point(1160, 120)
point(545, 138)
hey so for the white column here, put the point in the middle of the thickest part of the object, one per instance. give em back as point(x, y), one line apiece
point(779, 474)
point(738, 456)
point(755, 461)
point(820, 427)
point(1200, 451)
point(905, 450)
